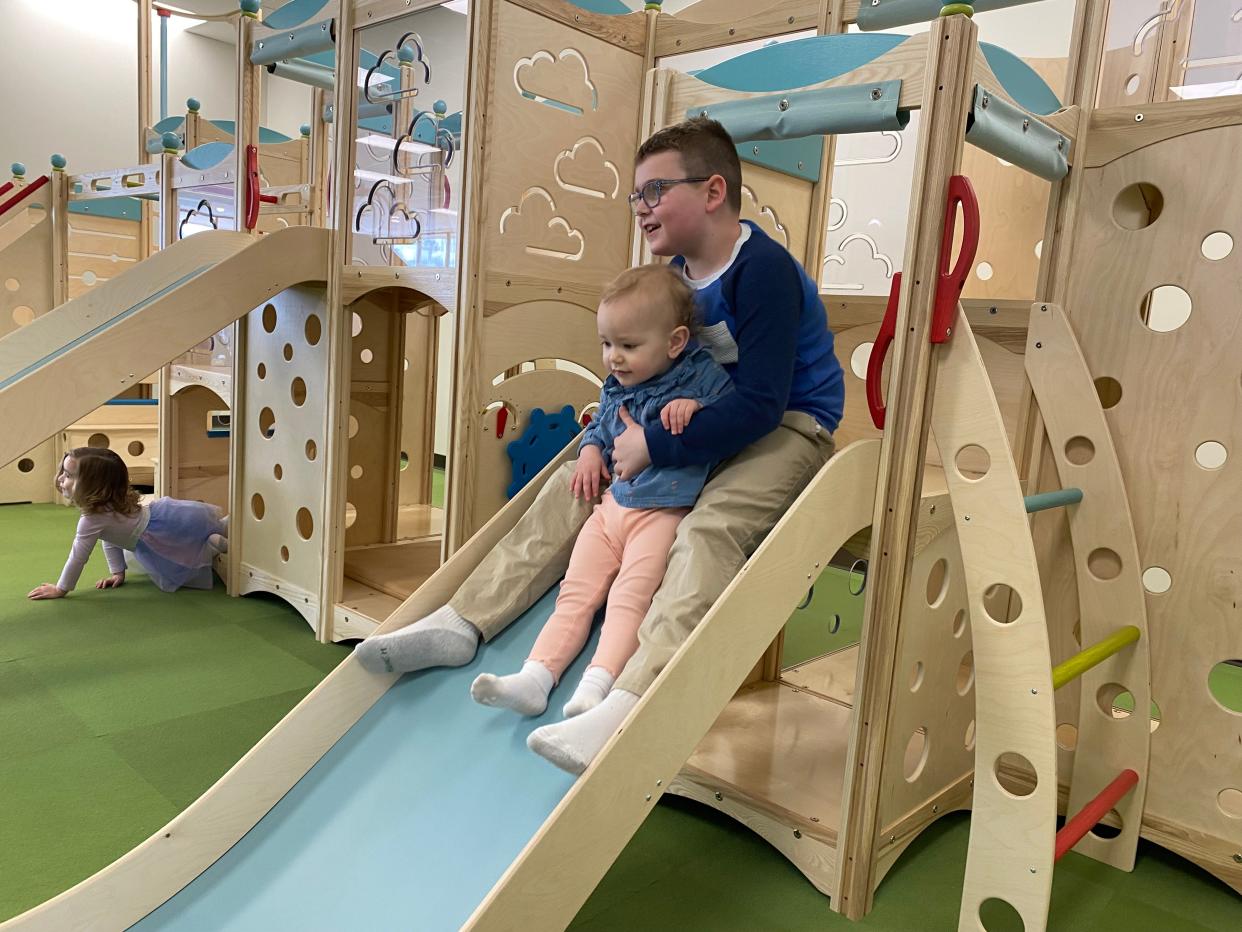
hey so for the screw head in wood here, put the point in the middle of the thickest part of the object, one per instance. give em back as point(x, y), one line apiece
point(1138, 118)
point(718, 796)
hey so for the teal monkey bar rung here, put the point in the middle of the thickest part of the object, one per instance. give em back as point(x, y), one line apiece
point(887, 14)
point(1056, 499)
point(863, 108)
point(296, 43)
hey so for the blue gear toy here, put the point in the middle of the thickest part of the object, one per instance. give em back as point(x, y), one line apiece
point(544, 437)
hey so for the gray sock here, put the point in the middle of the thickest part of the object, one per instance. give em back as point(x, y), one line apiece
point(525, 692)
point(442, 639)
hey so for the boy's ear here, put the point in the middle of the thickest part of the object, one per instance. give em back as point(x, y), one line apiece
point(717, 193)
point(677, 341)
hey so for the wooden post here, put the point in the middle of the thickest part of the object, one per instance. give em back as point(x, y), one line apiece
point(336, 427)
point(166, 474)
point(58, 186)
point(946, 102)
point(144, 78)
point(318, 176)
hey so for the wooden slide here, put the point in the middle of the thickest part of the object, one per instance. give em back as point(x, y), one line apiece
point(388, 802)
point(73, 359)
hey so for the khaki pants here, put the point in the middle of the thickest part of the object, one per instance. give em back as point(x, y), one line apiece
point(743, 500)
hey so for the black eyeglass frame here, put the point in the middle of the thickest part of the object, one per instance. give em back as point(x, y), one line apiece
point(659, 185)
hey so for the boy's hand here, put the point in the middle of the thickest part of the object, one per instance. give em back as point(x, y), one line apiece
point(677, 413)
point(630, 455)
point(588, 473)
point(47, 591)
point(111, 582)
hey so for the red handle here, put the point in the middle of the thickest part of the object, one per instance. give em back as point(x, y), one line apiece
point(949, 288)
point(23, 194)
point(268, 198)
point(875, 364)
point(502, 418)
point(4, 188)
point(252, 187)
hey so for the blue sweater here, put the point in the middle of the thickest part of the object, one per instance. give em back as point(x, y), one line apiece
point(764, 322)
point(696, 376)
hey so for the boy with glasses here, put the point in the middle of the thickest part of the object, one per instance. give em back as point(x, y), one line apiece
point(763, 321)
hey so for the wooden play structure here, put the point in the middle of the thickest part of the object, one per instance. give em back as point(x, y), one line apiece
point(1059, 282)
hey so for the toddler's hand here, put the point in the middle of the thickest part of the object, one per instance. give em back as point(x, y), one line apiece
point(47, 591)
point(588, 473)
point(677, 413)
point(111, 582)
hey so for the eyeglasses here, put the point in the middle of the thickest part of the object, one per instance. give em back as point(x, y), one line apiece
point(653, 190)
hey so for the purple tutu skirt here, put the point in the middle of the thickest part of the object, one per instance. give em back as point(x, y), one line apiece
point(174, 549)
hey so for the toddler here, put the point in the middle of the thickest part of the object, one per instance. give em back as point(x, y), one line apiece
point(657, 376)
point(174, 541)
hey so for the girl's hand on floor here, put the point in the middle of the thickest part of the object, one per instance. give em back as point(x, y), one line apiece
point(111, 582)
point(47, 591)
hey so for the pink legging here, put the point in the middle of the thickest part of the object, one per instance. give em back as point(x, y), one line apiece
point(622, 548)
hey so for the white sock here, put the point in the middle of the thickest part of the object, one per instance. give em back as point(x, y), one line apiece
point(592, 689)
point(218, 543)
point(573, 743)
point(442, 639)
point(525, 692)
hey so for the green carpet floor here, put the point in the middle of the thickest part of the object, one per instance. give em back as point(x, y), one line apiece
point(119, 708)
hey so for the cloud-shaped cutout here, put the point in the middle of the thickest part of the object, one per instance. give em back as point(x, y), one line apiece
point(763, 215)
point(563, 81)
point(838, 259)
point(392, 223)
point(534, 221)
point(204, 216)
point(868, 148)
point(589, 173)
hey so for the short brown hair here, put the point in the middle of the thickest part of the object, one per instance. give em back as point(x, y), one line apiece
point(103, 482)
point(659, 286)
point(706, 149)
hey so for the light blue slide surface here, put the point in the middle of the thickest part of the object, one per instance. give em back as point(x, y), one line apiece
point(406, 823)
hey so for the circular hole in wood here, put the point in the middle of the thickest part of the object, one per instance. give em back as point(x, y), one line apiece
point(287, 352)
point(984, 271)
point(1216, 246)
point(1079, 450)
point(965, 673)
point(223, 337)
point(267, 423)
point(278, 471)
point(916, 755)
point(1138, 206)
point(404, 461)
point(305, 523)
point(1132, 85)
point(938, 582)
point(1165, 308)
point(269, 318)
point(405, 365)
point(351, 514)
point(25, 464)
point(1014, 774)
point(311, 450)
point(284, 554)
point(859, 359)
point(89, 278)
point(1155, 716)
point(313, 330)
point(972, 462)
point(136, 448)
point(257, 506)
point(1067, 736)
point(355, 327)
point(297, 391)
point(1114, 701)
point(1156, 579)
point(23, 315)
point(1002, 603)
point(916, 676)
point(355, 472)
point(1109, 826)
point(1076, 631)
point(1230, 802)
point(996, 915)
point(1225, 685)
point(1108, 390)
point(366, 356)
point(99, 440)
point(262, 371)
point(11, 284)
point(1211, 455)
point(1039, 249)
point(1104, 564)
point(353, 427)
point(968, 740)
point(959, 623)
